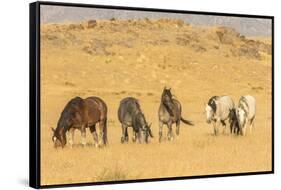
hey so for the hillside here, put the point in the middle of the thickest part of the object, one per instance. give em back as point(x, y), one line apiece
point(244, 25)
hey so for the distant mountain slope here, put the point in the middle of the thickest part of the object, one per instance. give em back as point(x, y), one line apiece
point(103, 36)
point(245, 26)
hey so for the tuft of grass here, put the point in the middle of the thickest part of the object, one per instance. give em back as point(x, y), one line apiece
point(109, 174)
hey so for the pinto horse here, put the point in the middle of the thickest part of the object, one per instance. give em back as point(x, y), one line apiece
point(80, 114)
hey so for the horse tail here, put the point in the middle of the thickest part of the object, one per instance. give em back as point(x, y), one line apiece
point(105, 132)
point(187, 121)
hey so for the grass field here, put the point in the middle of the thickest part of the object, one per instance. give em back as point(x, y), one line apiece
point(116, 59)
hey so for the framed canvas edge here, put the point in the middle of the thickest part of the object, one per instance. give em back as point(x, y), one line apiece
point(34, 95)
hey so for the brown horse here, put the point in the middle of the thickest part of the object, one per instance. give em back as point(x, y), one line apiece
point(80, 114)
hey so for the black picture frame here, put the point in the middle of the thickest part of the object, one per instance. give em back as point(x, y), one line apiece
point(34, 93)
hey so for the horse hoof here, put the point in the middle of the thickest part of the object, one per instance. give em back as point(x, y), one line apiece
point(84, 144)
point(96, 145)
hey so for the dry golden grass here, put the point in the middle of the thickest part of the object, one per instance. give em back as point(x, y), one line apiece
point(138, 58)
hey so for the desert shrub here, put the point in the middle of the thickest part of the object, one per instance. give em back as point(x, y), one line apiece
point(112, 174)
point(75, 27)
point(92, 23)
point(227, 35)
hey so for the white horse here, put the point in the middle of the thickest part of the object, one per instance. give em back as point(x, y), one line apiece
point(218, 111)
point(246, 113)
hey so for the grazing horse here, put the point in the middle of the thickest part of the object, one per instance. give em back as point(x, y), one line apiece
point(246, 113)
point(219, 110)
point(170, 112)
point(130, 115)
point(80, 114)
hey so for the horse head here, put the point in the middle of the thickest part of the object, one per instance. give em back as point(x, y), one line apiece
point(144, 129)
point(241, 117)
point(167, 100)
point(58, 138)
point(166, 95)
point(145, 133)
point(210, 109)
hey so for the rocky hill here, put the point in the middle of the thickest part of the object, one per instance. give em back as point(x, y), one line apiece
point(101, 37)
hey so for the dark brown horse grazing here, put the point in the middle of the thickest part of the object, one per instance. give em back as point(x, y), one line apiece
point(79, 114)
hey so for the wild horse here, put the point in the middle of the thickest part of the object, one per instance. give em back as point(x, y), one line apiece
point(170, 112)
point(80, 114)
point(131, 115)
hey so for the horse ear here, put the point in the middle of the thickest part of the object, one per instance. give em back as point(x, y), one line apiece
point(52, 129)
point(149, 125)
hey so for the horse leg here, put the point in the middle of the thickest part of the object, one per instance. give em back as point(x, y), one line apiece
point(243, 131)
point(95, 135)
point(223, 127)
point(231, 128)
point(178, 128)
point(170, 132)
point(134, 138)
point(105, 131)
point(251, 125)
point(101, 134)
point(216, 127)
point(160, 130)
point(138, 137)
point(71, 136)
point(236, 129)
point(83, 134)
point(126, 135)
point(123, 133)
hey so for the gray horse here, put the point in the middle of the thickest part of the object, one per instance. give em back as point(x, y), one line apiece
point(219, 110)
point(130, 115)
point(170, 112)
point(246, 113)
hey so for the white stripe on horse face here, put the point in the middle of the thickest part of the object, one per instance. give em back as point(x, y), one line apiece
point(209, 113)
point(241, 114)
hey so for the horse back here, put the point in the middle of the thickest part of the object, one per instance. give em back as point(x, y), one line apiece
point(127, 108)
point(224, 105)
point(73, 113)
point(164, 114)
point(95, 109)
point(249, 103)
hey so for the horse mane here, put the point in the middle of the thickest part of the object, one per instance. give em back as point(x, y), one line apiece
point(138, 113)
point(168, 105)
point(69, 111)
point(212, 103)
point(137, 104)
point(242, 103)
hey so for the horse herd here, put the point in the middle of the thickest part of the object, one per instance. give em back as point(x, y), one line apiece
point(86, 113)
